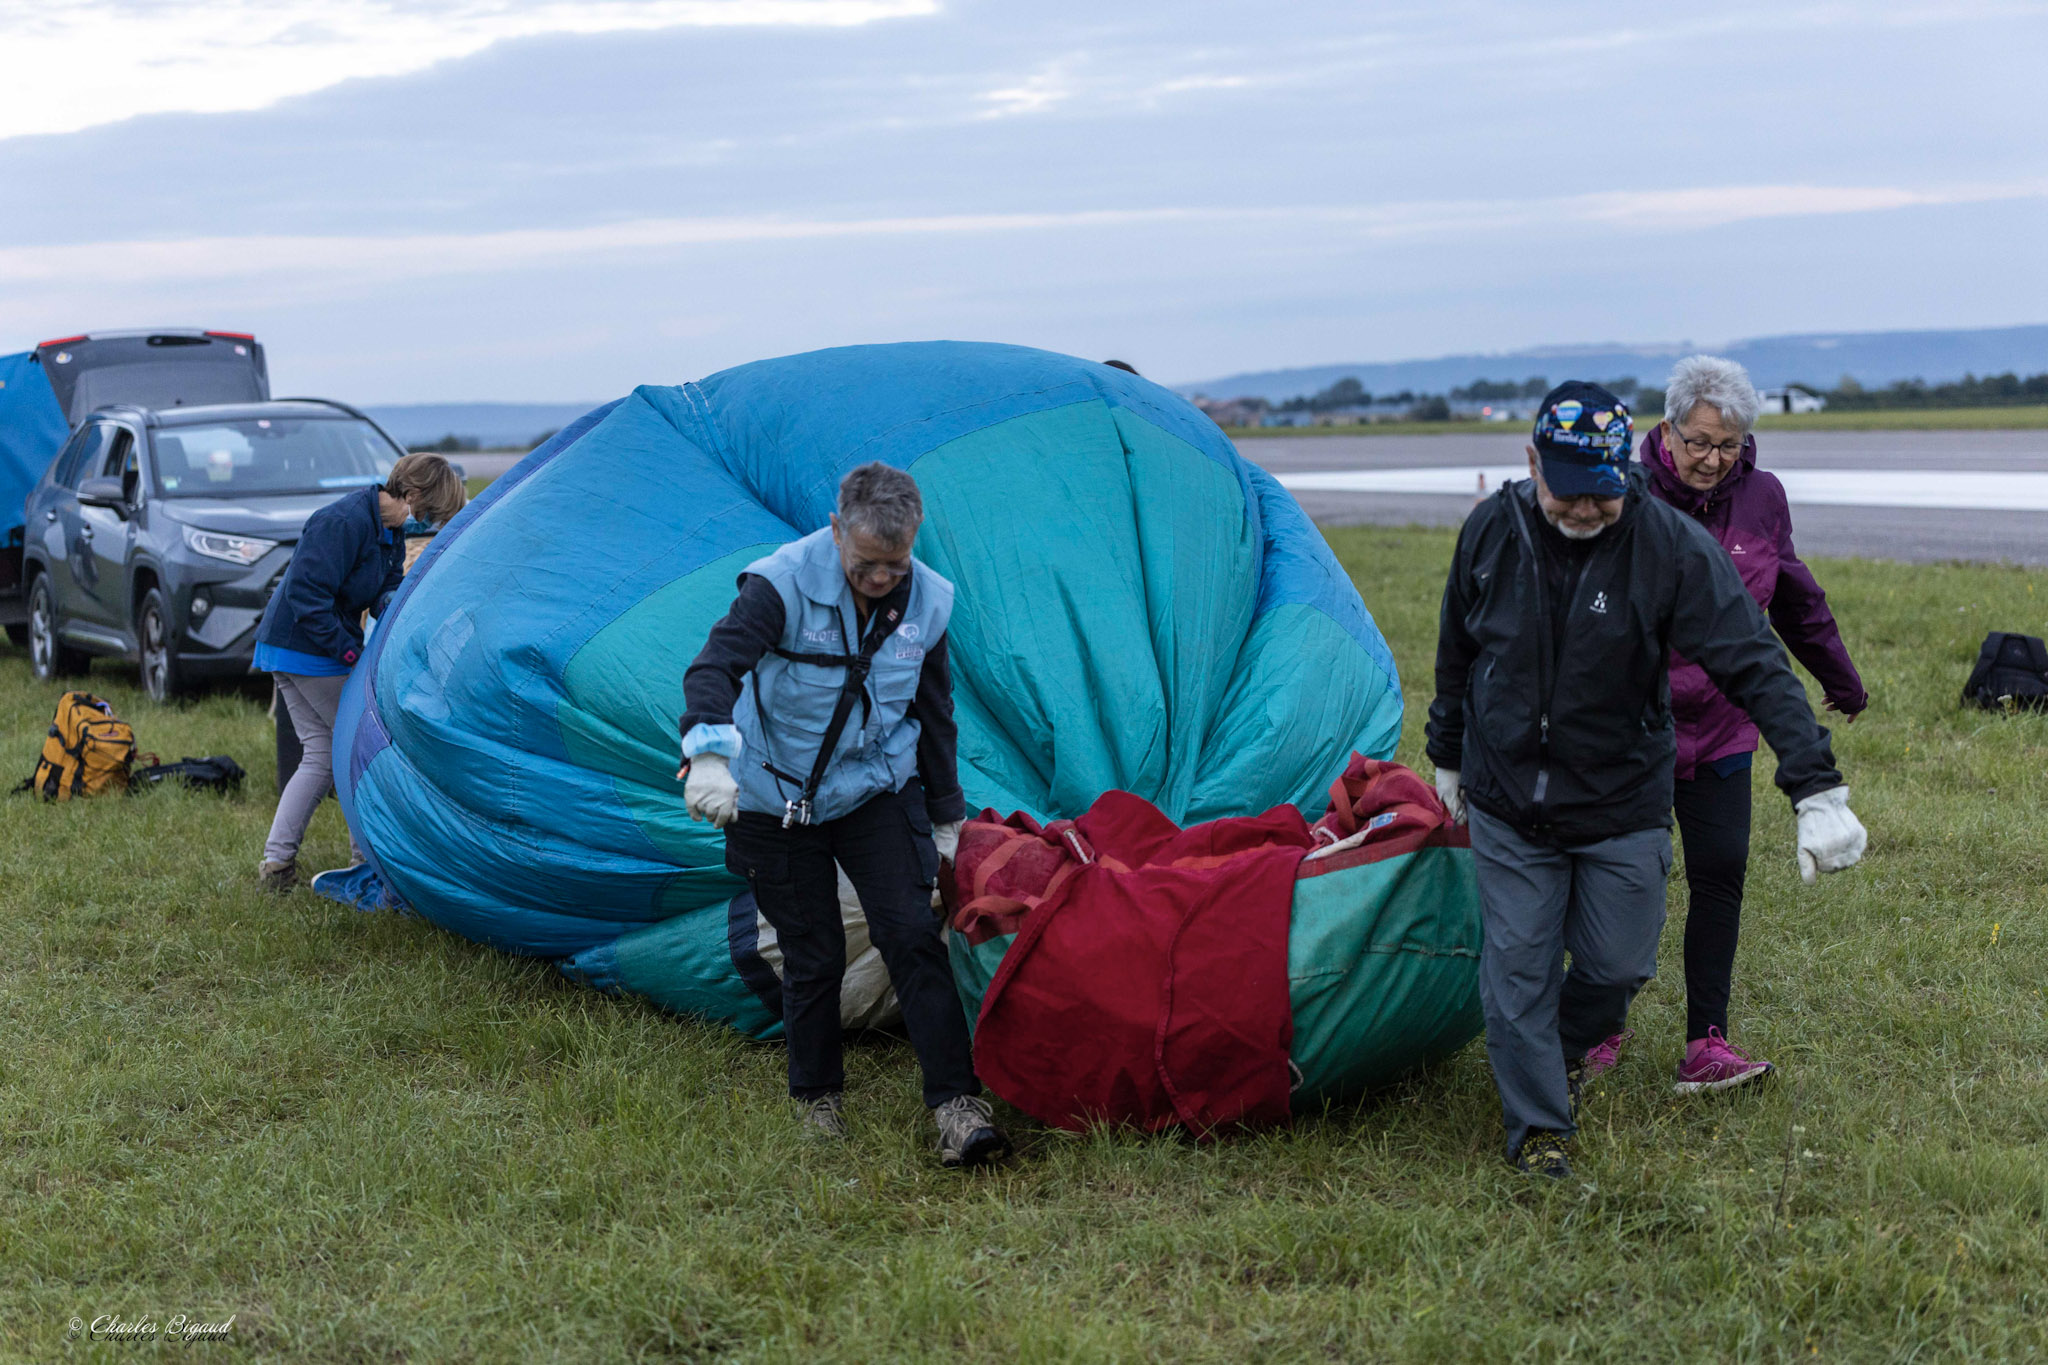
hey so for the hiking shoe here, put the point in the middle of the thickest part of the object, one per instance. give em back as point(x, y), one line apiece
point(1711, 1063)
point(968, 1135)
point(825, 1117)
point(277, 877)
point(1542, 1153)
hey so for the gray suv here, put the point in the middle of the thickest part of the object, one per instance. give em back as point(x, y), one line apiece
point(158, 534)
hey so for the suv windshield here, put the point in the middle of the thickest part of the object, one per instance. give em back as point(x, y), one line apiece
point(265, 455)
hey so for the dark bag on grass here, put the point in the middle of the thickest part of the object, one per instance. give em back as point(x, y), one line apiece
point(2011, 671)
point(216, 773)
point(89, 751)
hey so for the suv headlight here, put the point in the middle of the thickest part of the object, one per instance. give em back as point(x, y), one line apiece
point(243, 550)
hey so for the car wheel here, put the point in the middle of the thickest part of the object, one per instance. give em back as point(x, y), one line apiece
point(161, 677)
point(48, 657)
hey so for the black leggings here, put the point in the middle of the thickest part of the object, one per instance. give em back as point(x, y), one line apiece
point(1713, 820)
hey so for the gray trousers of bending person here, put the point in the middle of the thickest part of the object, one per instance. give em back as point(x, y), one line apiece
point(311, 703)
point(1601, 902)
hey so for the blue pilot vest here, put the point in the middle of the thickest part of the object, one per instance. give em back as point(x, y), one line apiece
point(786, 704)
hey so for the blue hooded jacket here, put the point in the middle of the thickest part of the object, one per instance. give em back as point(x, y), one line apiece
point(346, 563)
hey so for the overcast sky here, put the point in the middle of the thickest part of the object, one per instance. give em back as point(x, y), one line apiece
point(489, 199)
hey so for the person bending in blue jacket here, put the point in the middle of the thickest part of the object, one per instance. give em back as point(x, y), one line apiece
point(818, 729)
point(348, 561)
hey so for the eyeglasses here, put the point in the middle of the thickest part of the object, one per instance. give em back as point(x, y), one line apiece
point(1698, 446)
point(865, 568)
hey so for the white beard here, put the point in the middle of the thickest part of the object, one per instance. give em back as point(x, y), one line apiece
point(1575, 533)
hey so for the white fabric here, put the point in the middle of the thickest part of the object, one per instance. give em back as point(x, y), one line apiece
point(1830, 836)
point(709, 793)
point(947, 837)
point(866, 997)
point(1450, 793)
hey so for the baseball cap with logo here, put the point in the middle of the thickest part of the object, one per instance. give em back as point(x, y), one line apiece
point(1583, 437)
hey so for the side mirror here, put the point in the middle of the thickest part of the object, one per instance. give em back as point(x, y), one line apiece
point(105, 493)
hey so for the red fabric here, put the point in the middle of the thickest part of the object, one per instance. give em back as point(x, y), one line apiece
point(1396, 810)
point(1147, 983)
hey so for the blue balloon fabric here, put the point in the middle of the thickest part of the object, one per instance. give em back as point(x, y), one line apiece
point(1139, 609)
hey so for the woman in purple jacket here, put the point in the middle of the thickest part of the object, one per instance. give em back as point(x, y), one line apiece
point(1702, 460)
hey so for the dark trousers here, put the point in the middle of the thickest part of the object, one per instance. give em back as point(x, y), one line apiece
point(886, 848)
point(1713, 821)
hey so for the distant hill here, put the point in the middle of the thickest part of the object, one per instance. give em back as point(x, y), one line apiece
point(1820, 359)
point(490, 424)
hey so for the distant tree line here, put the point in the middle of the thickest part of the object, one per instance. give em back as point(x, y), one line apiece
point(1992, 391)
point(1436, 407)
point(451, 444)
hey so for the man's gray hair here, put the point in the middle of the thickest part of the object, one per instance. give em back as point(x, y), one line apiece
point(1721, 384)
point(881, 501)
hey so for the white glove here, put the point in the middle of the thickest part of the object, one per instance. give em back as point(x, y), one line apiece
point(1830, 836)
point(1450, 793)
point(947, 837)
point(709, 792)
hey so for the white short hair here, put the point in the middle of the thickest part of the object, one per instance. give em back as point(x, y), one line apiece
point(1721, 384)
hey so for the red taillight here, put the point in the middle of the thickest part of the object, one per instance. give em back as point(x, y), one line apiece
point(63, 341)
point(234, 336)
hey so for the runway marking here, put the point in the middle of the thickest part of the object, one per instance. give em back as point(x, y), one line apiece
point(1965, 490)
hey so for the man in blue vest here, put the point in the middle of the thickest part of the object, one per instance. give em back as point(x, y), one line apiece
point(818, 729)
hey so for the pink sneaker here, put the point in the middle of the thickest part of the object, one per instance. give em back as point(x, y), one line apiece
point(1601, 1059)
point(1712, 1064)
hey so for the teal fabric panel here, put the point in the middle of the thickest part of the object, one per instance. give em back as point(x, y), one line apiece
point(683, 964)
point(1383, 970)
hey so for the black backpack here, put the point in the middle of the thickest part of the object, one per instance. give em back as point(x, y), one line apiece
point(217, 773)
point(2011, 672)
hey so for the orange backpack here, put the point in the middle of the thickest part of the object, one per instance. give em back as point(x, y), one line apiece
point(89, 751)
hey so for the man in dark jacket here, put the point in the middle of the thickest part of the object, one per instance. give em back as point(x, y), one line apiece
point(1551, 729)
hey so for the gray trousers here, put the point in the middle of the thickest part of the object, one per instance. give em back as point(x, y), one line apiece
point(1602, 902)
point(311, 702)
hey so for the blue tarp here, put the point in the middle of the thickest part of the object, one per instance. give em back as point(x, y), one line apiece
point(32, 430)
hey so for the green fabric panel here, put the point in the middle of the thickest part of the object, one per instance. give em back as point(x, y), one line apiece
point(974, 966)
point(1383, 970)
point(684, 964)
point(621, 705)
point(1277, 733)
point(1083, 646)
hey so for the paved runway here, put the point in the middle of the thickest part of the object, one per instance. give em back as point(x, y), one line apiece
point(2000, 519)
point(1877, 494)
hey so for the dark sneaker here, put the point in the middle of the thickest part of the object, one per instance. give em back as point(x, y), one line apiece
point(968, 1135)
point(1542, 1153)
point(1712, 1064)
point(277, 877)
point(825, 1117)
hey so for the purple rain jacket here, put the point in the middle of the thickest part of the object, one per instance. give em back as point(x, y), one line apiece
point(1748, 514)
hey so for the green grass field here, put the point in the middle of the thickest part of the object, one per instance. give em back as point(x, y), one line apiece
point(1896, 419)
point(369, 1140)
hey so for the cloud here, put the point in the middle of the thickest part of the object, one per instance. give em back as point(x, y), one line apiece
point(68, 67)
point(349, 261)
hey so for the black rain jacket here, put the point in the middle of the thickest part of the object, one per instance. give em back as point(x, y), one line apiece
point(1574, 745)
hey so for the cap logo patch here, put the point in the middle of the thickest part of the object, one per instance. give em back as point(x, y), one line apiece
point(1568, 411)
point(1602, 418)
